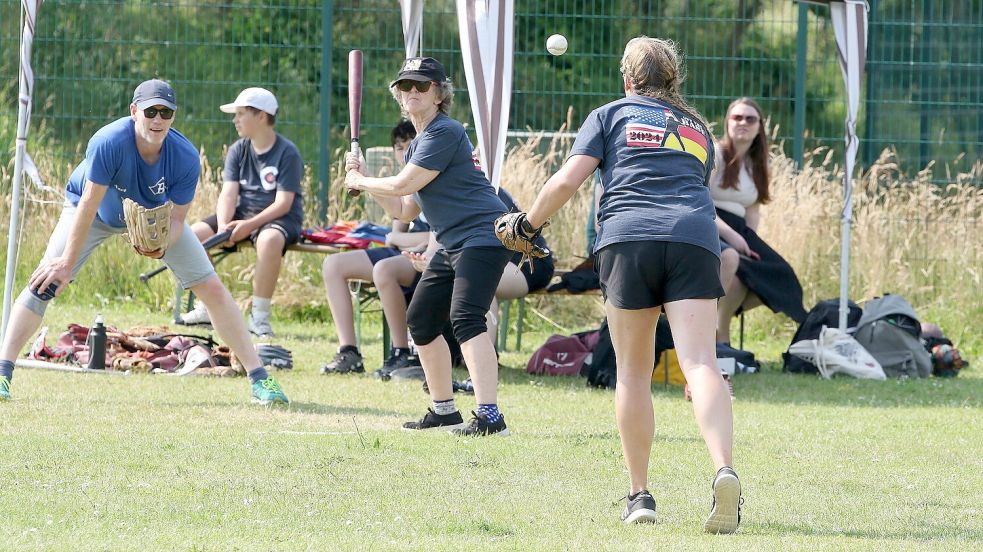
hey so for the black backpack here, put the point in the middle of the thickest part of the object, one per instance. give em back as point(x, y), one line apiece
point(602, 370)
point(825, 313)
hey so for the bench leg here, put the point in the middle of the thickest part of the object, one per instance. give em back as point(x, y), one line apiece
point(178, 296)
point(387, 346)
point(740, 340)
point(503, 325)
point(518, 324)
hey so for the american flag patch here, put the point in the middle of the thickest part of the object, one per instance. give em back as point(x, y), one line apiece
point(646, 127)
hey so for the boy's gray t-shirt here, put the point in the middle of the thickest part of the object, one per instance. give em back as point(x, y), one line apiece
point(260, 176)
point(460, 204)
point(655, 163)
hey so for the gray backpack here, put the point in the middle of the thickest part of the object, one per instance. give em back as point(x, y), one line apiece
point(890, 331)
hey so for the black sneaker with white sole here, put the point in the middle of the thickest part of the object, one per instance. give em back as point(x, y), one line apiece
point(344, 362)
point(432, 420)
point(640, 508)
point(481, 427)
point(725, 511)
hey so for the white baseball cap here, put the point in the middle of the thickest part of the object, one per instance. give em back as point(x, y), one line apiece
point(258, 98)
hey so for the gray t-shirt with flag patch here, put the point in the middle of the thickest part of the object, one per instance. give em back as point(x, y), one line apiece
point(655, 163)
point(460, 203)
point(261, 176)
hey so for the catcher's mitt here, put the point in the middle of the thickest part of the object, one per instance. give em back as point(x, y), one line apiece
point(147, 229)
point(516, 234)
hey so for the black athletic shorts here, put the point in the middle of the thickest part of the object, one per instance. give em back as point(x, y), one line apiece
point(541, 273)
point(290, 231)
point(645, 274)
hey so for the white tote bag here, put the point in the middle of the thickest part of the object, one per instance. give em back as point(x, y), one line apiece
point(837, 352)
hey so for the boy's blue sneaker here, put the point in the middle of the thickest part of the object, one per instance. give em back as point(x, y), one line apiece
point(4, 388)
point(268, 391)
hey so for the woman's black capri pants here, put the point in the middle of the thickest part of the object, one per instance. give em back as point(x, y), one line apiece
point(459, 286)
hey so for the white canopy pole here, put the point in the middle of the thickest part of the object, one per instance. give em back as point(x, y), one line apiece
point(850, 26)
point(29, 10)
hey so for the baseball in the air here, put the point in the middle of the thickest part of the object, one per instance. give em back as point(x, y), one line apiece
point(556, 44)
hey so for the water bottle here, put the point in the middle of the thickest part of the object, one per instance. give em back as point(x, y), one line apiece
point(97, 345)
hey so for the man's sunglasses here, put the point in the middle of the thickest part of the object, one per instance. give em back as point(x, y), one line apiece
point(165, 112)
point(407, 85)
point(751, 119)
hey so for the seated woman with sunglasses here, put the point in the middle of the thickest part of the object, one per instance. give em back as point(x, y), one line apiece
point(443, 178)
point(738, 187)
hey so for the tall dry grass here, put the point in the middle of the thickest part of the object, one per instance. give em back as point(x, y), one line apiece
point(909, 237)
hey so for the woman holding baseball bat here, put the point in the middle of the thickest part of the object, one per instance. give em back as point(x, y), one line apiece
point(443, 178)
point(657, 247)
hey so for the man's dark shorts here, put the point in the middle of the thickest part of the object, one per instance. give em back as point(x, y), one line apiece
point(290, 231)
point(645, 274)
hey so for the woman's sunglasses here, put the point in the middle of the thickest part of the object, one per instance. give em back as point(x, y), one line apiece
point(751, 119)
point(165, 112)
point(407, 85)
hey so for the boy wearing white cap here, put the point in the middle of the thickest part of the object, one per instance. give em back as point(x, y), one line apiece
point(260, 200)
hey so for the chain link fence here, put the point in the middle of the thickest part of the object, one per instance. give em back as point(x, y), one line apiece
point(924, 88)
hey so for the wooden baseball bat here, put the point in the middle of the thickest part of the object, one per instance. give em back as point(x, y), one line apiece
point(354, 102)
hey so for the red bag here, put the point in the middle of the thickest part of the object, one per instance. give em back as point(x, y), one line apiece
point(562, 355)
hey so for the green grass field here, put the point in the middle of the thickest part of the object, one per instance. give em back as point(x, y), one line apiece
point(168, 463)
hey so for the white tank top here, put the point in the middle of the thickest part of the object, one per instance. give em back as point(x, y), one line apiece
point(732, 200)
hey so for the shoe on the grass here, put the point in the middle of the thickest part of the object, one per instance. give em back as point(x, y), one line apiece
point(408, 373)
point(640, 508)
point(403, 359)
point(481, 427)
point(260, 327)
point(267, 391)
point(196, 316)
point(344, 362)
point(725, 512)
point(432, 420)
point(4, 388)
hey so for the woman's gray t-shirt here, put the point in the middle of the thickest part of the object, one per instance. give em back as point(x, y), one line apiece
point(655, 162)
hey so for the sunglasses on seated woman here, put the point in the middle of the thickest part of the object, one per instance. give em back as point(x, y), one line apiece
point(407, 85)
point(751, 119)
point(165, 112)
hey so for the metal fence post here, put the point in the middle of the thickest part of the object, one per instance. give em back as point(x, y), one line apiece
point(801, 47)
point(324, 144)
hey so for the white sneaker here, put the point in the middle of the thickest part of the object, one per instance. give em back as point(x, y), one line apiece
point(725, 513)
point(196, 316)
point(260, 327)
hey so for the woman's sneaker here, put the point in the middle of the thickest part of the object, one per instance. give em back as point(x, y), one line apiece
point(432, 420)
point(403, 359)
point(640, 508)
point(344, 362)
point(5, 389)
point(725, 512)
point(481, 427)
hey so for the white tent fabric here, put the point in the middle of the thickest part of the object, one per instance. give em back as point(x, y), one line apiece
point(412, 12)
point(486, 28)
point(29, 12)
point(850, 26)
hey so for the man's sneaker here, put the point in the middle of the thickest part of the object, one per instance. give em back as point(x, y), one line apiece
point(403, 359)
point(268, 391)
point(4, 388)
point(408, 373)
point(640, 508)
point(260, 327)
point(725, 512)
point(344, 362)
point(480, 427)
point(432, 420)
point(196, 316)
